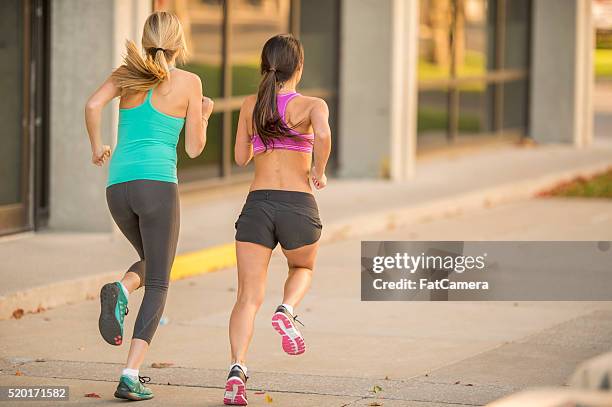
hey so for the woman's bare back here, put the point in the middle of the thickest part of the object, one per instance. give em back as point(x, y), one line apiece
point(285, 169)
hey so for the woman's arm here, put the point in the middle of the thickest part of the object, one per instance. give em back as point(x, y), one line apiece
point(93, 117)
point(319, 118)
point(243, 149)
point(199, 109)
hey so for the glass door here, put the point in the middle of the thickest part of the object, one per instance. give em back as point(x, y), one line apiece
point(14, 154)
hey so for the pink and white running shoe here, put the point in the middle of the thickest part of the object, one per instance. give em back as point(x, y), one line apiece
point(235, 387)
point(284, 323)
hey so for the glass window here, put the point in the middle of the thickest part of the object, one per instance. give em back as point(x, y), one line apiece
point(11, 113)
point(434, 39)
point(208, 164)
point(515, 105)
point(253, 22)
point(202, 22)
point(516, 49)
point(462, 44)
point(432, 120)
point(319, 36)
point(250, 23)
point(476, 114)
point(472, 34)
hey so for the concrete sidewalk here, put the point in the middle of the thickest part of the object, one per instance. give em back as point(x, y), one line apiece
point(421, 354)
point(52, 268)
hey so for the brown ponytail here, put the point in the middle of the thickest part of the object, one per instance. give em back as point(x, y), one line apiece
point(281, 57)
point(162, 40)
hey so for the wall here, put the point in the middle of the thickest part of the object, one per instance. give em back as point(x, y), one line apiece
point(562, 72)
point(87, 39)
point(378, 44)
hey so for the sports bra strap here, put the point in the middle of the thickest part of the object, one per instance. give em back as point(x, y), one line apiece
point(286, 98)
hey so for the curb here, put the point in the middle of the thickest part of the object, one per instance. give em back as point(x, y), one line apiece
point(221, 257)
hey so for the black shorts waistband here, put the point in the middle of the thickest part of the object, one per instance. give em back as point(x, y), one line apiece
point(296, 197)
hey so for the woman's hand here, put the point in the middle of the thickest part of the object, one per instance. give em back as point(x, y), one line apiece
point(207, 107)
point(100, 155)
point(319, 179)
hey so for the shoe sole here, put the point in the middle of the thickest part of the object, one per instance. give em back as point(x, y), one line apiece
point(293, 341)
point(132, 396)
point(235, 393)
point(107, 323)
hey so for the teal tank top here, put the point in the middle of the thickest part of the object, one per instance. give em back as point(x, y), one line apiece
point(146, 145)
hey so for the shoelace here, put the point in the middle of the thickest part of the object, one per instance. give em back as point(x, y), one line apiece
point(144, 379)
point(297, 320)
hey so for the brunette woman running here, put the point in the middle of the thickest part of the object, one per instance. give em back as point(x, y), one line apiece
point(157, 100)
point(279, 128)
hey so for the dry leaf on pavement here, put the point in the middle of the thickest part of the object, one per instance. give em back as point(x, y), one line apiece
point(161, 365)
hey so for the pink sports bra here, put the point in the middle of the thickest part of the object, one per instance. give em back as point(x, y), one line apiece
point(302, 144)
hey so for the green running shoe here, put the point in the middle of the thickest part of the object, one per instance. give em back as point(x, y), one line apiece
point(130, 389)
point(113, 309)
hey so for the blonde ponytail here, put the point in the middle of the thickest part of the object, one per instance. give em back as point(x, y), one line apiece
point(162, 40)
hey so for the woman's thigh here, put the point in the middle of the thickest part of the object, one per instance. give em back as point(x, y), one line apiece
point(253, 260)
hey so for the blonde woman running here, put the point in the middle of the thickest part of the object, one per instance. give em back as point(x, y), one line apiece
point(156, 102)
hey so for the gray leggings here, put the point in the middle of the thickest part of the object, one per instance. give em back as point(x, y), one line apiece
point(147, 212)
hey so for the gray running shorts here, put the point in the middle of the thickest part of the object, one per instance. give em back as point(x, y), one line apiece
point(290, 218)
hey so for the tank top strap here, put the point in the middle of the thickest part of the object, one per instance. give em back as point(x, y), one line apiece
point(282, 102)
point(149, 94)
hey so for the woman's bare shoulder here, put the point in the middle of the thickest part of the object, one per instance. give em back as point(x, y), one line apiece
point(187, 80)
point(313, 102)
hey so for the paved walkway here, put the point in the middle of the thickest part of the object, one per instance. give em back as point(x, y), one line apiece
point(51, 268)
point(420, 354)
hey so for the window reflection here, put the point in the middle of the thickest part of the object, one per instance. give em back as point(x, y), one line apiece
point(476, 114)
point(516, 50)
point(207, 164)
point(202, 22)
point(432, 118)
point(462, 45)
point(253, 23)
point(434, 39)
point(471, 37)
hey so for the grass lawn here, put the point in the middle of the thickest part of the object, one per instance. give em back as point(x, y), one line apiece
point(599, 186)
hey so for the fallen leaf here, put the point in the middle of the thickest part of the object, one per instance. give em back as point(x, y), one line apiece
point(375, 403)
point(386, 377)
point(161, 365)
point(92, 395)
point(18, 313)
point(457, 382)
point(40, 360)
point(269, 398)
point(19, 373)
point(468, 384)
point(376, 389)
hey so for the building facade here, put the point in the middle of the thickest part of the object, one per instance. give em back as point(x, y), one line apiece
point(401, 77)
